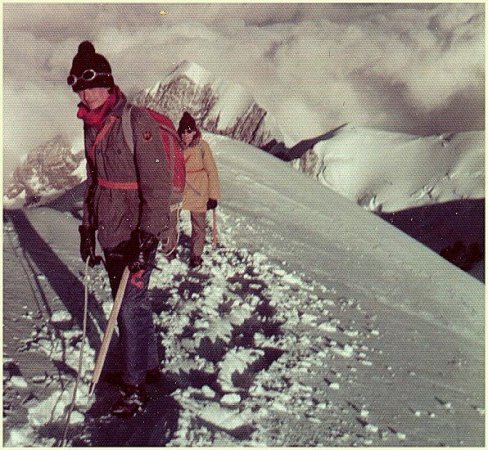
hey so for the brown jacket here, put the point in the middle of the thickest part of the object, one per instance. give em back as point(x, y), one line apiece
point(202, 177)
point(114, 210)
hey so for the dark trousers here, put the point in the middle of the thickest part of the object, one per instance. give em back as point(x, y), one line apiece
point(137, 339)
point(198, 226)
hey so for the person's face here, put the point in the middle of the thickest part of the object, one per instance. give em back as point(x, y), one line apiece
point(187, 136)
point(94, 97)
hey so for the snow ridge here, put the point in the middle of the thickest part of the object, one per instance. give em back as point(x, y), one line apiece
point(310, 336)
point(395, 171)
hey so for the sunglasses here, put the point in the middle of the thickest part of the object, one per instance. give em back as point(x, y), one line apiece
point(188, 131)
point(87, 75)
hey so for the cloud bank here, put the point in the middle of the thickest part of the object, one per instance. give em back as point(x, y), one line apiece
point(402, 67)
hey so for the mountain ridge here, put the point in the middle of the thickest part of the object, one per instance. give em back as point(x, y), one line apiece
point(218, 106)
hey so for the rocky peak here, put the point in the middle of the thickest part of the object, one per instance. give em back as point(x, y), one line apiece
point(217, 105)
point(48, 168)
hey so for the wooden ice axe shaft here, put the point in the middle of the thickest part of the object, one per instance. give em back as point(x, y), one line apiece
point(214, 229)
point(112, 320)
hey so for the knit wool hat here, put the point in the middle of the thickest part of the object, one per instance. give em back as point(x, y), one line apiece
point(86, 59)
point(187, 122)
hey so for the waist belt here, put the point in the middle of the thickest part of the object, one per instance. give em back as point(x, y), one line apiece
point(123, 185)
point(195, 170)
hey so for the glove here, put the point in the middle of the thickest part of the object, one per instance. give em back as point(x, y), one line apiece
point(87, 245)
point(212, 203)
point(147, 243)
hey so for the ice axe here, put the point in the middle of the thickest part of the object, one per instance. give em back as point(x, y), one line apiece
point(109, 330)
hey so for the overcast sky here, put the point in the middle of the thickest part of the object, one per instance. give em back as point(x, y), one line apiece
point(411, 68)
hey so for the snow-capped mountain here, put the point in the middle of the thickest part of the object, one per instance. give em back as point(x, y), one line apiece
point(217, 105)
point(46, 172)
point(385, 171)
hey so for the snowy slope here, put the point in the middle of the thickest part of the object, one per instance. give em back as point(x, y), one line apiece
point(385, 172)
point(314, 323)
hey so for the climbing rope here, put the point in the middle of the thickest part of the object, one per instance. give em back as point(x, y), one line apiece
point(178, 209)
point(80, 361)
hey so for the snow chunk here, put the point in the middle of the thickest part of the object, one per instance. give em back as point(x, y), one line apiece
point(207, 392)
point(279, 407)
point(236, 360)
point(51, 409)
point(371, 428)
point(230, 400)
point(76, 418)
point(228, 420)
point(61, 316)
point(328, 327)
point(21, 437)
point(18, 382)
point(54, 408)
point(345, 352)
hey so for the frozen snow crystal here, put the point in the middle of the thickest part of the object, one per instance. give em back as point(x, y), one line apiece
point(308, 318)
point(279, 407)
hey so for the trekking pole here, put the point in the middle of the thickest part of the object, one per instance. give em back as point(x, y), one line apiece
point(109, 330)
point(214, 229)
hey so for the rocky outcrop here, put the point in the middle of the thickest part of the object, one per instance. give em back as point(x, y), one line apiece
point(177, 95)
point(49, 169)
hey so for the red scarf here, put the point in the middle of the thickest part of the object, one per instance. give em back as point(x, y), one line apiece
point(96, 117)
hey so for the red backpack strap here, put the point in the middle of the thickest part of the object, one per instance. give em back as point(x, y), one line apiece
point(127, 127)
point(102, 133)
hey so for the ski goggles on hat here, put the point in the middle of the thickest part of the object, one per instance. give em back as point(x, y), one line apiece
point(87, 75)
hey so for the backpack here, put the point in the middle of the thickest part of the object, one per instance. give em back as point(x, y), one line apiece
point(172, 148)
